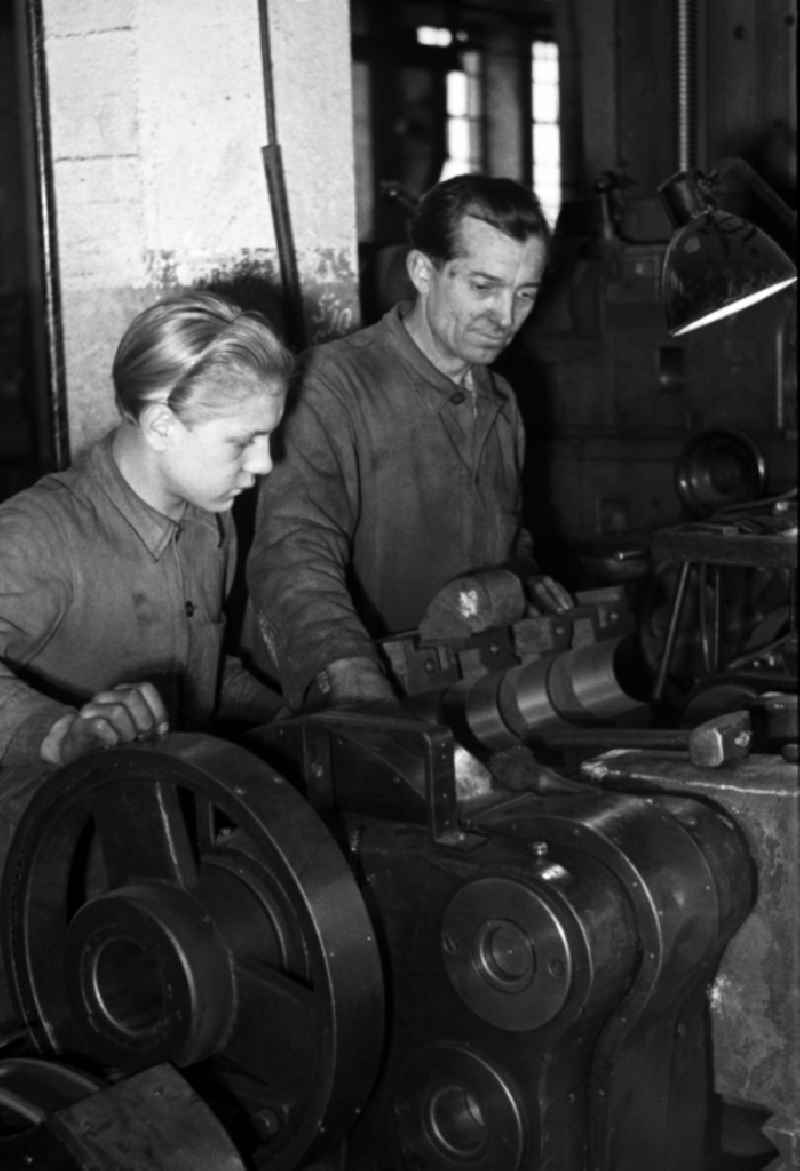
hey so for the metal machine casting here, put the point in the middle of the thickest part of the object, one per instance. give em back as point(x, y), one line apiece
point(398, 941)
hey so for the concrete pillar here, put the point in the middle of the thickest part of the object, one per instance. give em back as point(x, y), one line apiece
point(508, 73)
point(157, 124)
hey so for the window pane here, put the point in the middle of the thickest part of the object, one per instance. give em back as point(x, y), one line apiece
point(546, 182)
point(545, 103)
point(546, 144)
point(451, 168)
point(546, 72)
point(547, 192)
point(426, 35)
point(464, 108)
point(456, 93)
point(458, 140)
point(544, 51)
point(546, 147)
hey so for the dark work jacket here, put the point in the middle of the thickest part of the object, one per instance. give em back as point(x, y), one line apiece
point(97, 588)
point(389, 484)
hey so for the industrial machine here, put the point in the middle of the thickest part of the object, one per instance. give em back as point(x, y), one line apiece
point(398, 941)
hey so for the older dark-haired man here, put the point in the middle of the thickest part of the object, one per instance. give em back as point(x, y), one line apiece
point(403, 452)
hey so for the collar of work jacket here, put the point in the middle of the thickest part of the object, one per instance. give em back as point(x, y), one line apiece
point(467, 430)
point(438, 388)
point(154, 529)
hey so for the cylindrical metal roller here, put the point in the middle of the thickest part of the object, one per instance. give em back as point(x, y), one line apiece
point(524, 699)
point(484, 716)
point(584, 683)
point(589, 684)
point(471, 709)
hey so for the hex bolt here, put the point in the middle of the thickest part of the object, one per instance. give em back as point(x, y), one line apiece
point(267, 1122)
point(539, 849)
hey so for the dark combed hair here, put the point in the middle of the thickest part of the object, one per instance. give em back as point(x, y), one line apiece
point(186, 339)
point(503, 203)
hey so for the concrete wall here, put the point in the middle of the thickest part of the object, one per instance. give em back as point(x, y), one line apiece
point(157, 121)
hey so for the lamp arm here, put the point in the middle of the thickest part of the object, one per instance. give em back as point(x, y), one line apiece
point(739, 168)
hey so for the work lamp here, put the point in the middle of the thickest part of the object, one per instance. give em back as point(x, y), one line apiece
point(716, 263)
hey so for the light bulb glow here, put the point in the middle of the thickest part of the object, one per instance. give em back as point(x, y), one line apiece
point(734, 306)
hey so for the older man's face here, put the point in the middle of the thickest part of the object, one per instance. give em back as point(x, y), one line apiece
point(475, 303)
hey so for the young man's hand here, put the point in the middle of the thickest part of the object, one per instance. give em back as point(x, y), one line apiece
point(127, 712)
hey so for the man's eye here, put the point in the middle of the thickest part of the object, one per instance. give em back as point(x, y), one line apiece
point(481, 286)
point(528, 295)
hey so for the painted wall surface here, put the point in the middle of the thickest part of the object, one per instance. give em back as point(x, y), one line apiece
point(157, 122)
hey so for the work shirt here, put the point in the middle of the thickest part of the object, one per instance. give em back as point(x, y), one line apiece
point(98, 588)
point(390, 479)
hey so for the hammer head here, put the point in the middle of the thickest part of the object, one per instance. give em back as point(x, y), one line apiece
point(720, 740)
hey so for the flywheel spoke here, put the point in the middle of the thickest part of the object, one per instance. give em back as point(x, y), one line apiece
point(284, 1015)
point(143, 833)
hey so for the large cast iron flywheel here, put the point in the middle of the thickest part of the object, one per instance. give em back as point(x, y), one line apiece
point(183, 903)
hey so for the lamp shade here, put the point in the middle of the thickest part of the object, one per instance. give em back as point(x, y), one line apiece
point(716, 263)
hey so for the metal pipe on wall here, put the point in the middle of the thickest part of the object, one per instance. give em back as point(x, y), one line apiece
point(278, 196)
point(50, 410)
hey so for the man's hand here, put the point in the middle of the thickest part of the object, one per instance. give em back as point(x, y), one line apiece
point(547, 595)
point(129, 711)
point(355, 682)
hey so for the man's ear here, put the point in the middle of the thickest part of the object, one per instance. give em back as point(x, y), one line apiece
point(157, 423)
point(420, 270)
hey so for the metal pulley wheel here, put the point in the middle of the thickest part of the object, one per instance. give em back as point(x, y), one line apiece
point(31, 1088)
point(183, 903)
point(719, 468)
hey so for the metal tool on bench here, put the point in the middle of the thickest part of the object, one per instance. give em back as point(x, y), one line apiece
point(485, 666)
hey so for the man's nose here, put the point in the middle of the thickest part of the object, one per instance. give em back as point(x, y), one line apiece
point(503, 307)
point(258, 458)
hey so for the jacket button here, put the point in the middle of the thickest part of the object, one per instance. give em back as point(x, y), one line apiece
point(458, 398)
point(189, 609)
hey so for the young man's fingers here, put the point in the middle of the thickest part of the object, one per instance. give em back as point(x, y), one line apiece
point(110, 719)
point(145, 706)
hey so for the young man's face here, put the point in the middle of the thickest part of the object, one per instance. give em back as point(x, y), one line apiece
point(475, 303)
point(213, 459)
